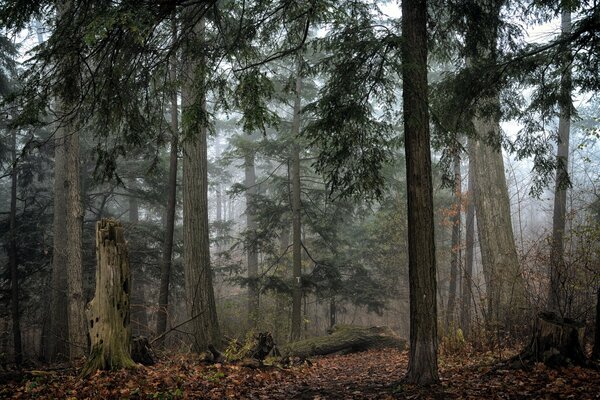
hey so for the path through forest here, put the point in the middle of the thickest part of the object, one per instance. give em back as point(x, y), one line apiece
point(374, 374)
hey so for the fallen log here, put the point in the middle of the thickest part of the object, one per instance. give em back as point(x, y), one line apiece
point(345, 339)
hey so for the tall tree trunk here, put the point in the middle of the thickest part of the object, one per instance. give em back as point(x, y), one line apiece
point(455, 250)
point(196, 252)
point(12, 257)
point(167, 254)
point(251, 245)
point(296, 328)
point(69, 98)
point(556, 296)
point(422, 363)
point(505, 285)
point(139, 317)
point(467, 294)
point(76, 302)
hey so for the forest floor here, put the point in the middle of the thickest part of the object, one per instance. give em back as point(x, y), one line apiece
point(374, 374)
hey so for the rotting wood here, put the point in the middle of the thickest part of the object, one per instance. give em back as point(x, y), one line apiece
point(556, 342)
point(347, 339)
point(108, 313)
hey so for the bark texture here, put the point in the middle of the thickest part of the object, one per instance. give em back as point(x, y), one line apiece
point(422, 364)
point(455, 249)
point(467, 294)
point(108, 313)
point(296, 328)
point(12, 257)
point(345, 338)
point(251, 245)
point(596, 349)
point(196, 252)
point(556, 296)
point(57, 339)
point(69, 98)
point(504, 283)
point(167, 253)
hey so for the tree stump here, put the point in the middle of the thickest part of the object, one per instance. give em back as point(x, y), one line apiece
point(141, 351)
point(556, 342)
point(108, 313)
point(345, 338)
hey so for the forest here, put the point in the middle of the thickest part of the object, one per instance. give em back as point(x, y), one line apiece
point(281, 199)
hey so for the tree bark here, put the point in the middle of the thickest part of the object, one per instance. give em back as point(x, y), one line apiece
point(108, 313)
point(251, 245)
point(455, 250)
point(76, 322)
point(556, 342)
point(296, 328)
point(467, 278)
point(505, 285)
point(12, 257)
point(422, 364)
point(596, 349)
point(556, 296)
point(139, 317)
point(167, 254)
point(196, 251)
point(70, 123)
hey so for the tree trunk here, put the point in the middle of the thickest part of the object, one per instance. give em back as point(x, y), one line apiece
point(296, 328)
point(167, 254)
point(12, 258)
point(76, 322)
point(58, 334)
point(332, 312)
point(556, 342)
point(69, 98)
point(139, 317)
point(422, 364)
point(596, 349)
point(556, 296)
point(251, 245)
point(345, 338)
point(505, 285)
point(467, 294)
point(455, 250)
point(108, 313)
point(196, 251)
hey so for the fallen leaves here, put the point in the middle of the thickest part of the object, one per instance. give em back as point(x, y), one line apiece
point(374, 374)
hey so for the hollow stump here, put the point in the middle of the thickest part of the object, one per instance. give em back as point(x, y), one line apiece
point(108, 312)
point(556, 342)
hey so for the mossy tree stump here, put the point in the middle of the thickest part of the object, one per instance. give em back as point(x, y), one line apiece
point(556, 342)
point(108, 313)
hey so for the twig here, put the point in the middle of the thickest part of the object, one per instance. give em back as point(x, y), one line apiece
point(162, 335)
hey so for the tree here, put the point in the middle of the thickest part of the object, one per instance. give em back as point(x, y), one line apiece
point(71, 125)
point(455, 246)
point(167, 254)
point(422, 365)
point(12, 256)
point(504, 282)
point(251, 245)
point(467, 276)
point(556, 301)
point(197, 269)
point(296, 328)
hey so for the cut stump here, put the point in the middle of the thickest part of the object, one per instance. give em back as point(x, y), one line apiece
point(141, 351)
point(108, 313)
point(345, 339)
point(556, 342)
